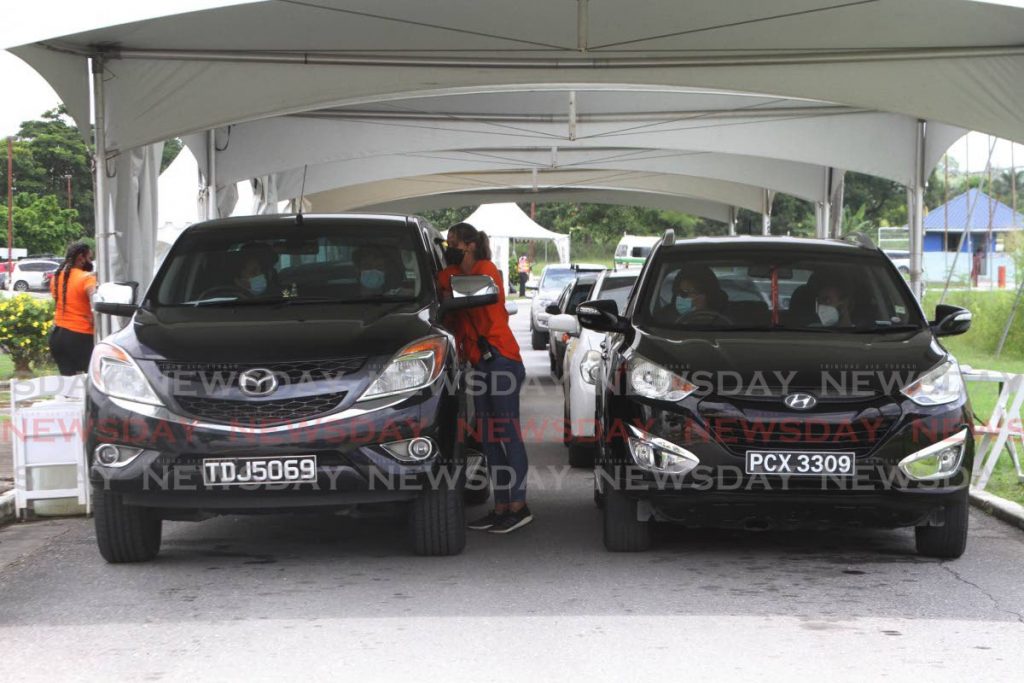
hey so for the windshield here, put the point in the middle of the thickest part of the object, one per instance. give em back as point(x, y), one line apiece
point(267, 264)
point(617, 289)
point(770, 289)
point(557, 278)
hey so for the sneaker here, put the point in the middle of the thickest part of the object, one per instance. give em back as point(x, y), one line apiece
point(485, 522)
point(511, 521)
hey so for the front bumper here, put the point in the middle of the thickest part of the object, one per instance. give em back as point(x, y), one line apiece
point(719, 492)
point(352, 465)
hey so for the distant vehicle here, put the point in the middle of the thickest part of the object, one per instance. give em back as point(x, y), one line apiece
point(553, 280)
point(575, 292)
point(29, 274)
point(633, 250)
point(900, 259)
point(581, 367)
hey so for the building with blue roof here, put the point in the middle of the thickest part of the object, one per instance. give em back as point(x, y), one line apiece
point(986, 222)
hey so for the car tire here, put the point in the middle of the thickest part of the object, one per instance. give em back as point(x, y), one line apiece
point(20, 286)
point(538, 340)
point(623, 532)
point(437, 524)
point(125, 533)
point(949, 540)
point(581, 455)
point(477, 490)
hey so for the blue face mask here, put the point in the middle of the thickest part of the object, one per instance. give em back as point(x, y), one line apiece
point(372, 279)
point(258, 284)
point(684, 305)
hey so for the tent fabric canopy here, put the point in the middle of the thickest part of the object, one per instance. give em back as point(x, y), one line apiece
point(828, 85)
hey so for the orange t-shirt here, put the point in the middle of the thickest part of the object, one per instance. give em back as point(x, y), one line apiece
point(489, 321)
point(76, 313)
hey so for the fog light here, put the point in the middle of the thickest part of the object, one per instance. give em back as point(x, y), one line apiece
point(411, 450)
point(420, 449)
point(939, 461)
point(654, 453)
point(109, 455)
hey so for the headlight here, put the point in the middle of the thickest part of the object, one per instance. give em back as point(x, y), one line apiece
point(113, 372)
point(939, 461)
point(654, 453)
point(414, 367)
point(941, 384)
point(653, 381)
point(590, 367)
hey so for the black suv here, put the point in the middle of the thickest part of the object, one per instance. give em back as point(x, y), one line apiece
point(834, 404)
point(278, 363)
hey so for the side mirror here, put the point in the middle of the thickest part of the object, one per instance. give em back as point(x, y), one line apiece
point(601, 315)
point(951, 320)
point(511, 307)
point(553, 309)
point(115, 298)
point(470, 291)
point(564, 322)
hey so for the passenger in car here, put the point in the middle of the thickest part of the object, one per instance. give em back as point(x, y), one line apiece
point(833, 303)
point(256, 274)
point(379, 270)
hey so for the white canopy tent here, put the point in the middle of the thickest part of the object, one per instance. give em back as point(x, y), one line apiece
point(933, 62)
point(505, 222)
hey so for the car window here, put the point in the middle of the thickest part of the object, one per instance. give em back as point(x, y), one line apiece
point(338, 263)
point(580, 293)
point(775, 289)
point(617, 289)
point(557, 278)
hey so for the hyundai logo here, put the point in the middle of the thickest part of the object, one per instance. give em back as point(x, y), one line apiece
point(258, 382)
point(800, 401)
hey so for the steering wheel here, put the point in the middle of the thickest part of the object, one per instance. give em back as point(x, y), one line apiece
point(706, 316)
point(225, 290)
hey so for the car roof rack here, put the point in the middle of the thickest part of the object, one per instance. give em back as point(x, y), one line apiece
point(670, 237)
point(861, 239)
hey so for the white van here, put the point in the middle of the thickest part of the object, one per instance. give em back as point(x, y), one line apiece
point(632, 250)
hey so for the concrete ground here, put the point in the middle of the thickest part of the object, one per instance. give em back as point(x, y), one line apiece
point(278, 597)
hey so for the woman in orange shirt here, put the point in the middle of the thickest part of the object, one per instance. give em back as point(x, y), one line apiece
point(72, 288)
point(486, 341)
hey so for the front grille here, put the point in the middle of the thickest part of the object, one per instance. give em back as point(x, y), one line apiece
point(217, 375)
point(857, 431)
point(260, 413)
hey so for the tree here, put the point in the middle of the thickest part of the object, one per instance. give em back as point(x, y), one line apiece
point(42, 225)
point(47, 152)
point(171, 150)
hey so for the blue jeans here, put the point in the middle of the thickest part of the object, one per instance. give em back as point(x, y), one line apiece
point(495, 386)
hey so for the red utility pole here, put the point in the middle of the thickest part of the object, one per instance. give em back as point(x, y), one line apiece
point(10, 206)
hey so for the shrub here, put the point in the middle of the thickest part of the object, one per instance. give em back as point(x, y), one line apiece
point(25, 325)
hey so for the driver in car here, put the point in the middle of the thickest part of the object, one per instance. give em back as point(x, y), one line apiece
point(695, 290)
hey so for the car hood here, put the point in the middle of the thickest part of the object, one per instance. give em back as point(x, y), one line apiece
point(822, 363)
point(262, 335)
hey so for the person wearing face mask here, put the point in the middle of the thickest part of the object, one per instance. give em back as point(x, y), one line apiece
point(256, 274)
point(832, 305)
point(694, 289)
point(375, 266)
point(72, 287)
point(486, 341)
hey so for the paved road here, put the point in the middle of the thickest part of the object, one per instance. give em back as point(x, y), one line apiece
point(283, 596)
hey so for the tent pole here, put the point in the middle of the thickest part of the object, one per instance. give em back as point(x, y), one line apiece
point(732, 220)
point(103, 227)
point(917, 213)
point(211, 174)
point(766, 212)
point(825, 214)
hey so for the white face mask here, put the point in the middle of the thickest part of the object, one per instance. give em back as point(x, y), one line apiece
point(828, 315)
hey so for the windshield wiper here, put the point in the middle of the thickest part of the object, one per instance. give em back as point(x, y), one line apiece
point(298, 301)
point(890, 328)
